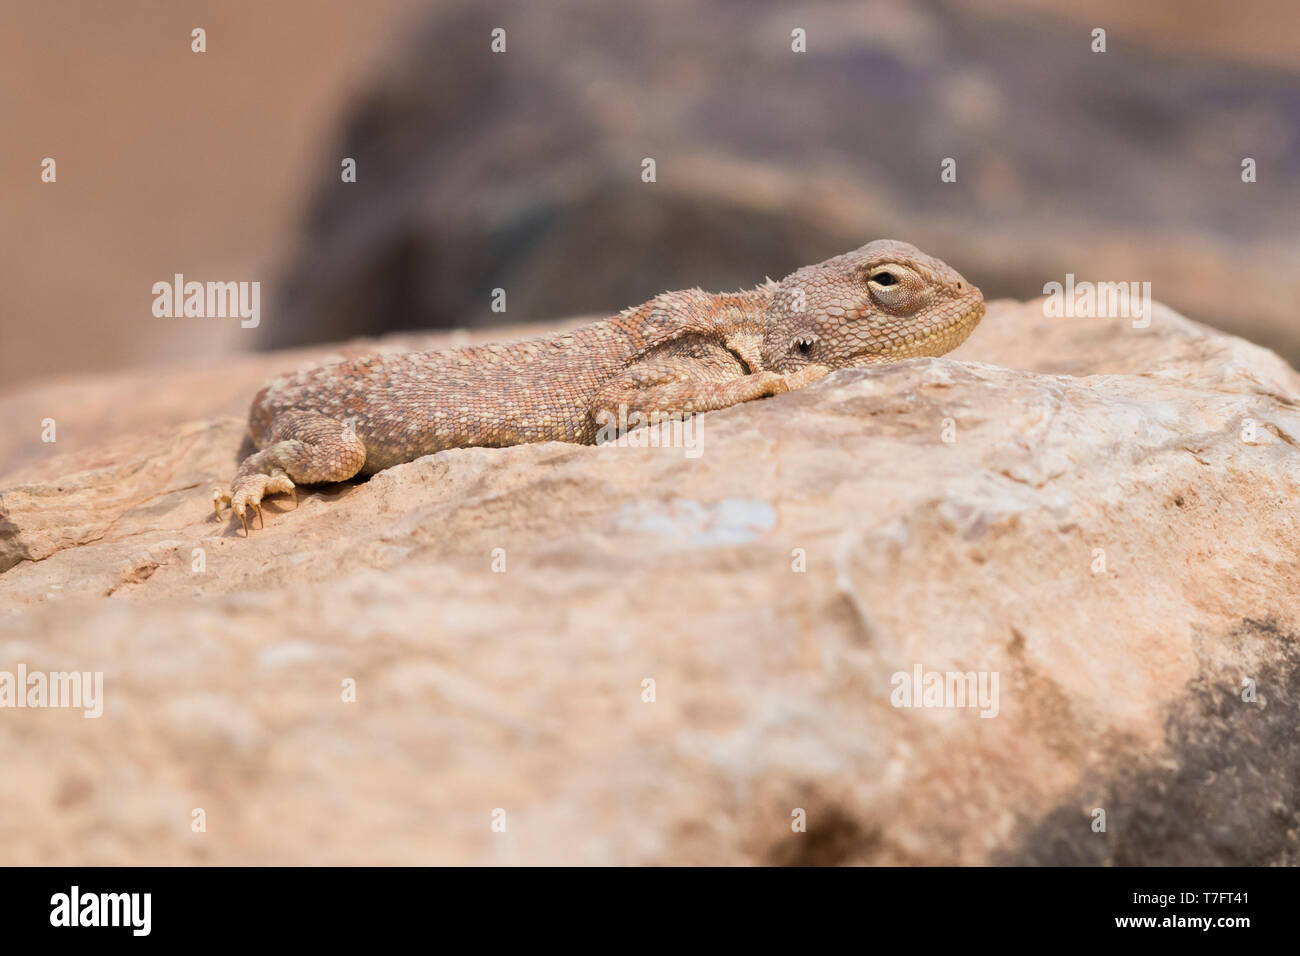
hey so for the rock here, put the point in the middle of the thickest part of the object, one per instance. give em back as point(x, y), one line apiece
point(1101, 517)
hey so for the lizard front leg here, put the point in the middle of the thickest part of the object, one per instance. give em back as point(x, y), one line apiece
point(305, 448)
point(683, 387)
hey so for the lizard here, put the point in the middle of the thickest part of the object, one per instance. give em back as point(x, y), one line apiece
point(679, 353)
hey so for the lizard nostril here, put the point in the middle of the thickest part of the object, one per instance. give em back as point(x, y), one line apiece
point(961, 286)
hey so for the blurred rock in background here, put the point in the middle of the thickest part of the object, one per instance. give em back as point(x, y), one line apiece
point(522, 170)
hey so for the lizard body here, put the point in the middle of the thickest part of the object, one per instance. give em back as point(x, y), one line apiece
point(681, 352)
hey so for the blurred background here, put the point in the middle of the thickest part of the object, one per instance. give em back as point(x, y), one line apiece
point(522, 170)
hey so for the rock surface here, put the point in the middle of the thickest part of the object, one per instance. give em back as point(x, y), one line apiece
point(1111, 530)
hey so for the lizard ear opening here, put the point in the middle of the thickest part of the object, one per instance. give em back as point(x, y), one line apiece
point(803, 344)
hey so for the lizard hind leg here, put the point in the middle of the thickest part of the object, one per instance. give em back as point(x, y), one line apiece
point(305, 448)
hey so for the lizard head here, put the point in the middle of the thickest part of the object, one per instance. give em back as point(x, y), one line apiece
point(885, 301)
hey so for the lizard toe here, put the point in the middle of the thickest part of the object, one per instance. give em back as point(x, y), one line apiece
point(219, 498)
point(249, 490)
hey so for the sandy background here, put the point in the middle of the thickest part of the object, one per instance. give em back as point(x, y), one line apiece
point(167, 161)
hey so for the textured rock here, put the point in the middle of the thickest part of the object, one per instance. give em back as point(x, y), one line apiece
point(1118, 688)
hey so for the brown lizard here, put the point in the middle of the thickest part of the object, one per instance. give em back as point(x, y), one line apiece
point(679, 353)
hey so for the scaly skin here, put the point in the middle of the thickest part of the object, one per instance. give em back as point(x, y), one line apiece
point(681, 352)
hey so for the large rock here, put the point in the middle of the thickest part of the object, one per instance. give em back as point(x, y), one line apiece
point(1110, 530)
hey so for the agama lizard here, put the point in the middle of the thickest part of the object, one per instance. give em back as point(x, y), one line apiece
point(681, 352)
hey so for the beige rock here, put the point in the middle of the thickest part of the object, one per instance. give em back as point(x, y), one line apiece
point(1166, 453)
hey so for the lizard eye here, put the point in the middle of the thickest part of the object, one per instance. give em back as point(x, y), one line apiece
point(896, 288)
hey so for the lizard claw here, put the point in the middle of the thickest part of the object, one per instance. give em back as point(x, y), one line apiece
point(247, 491)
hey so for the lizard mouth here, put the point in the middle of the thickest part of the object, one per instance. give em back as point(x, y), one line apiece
point(936, 340)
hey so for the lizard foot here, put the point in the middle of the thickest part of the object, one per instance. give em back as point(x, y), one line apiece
point(805, 376)
point(247, 491)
